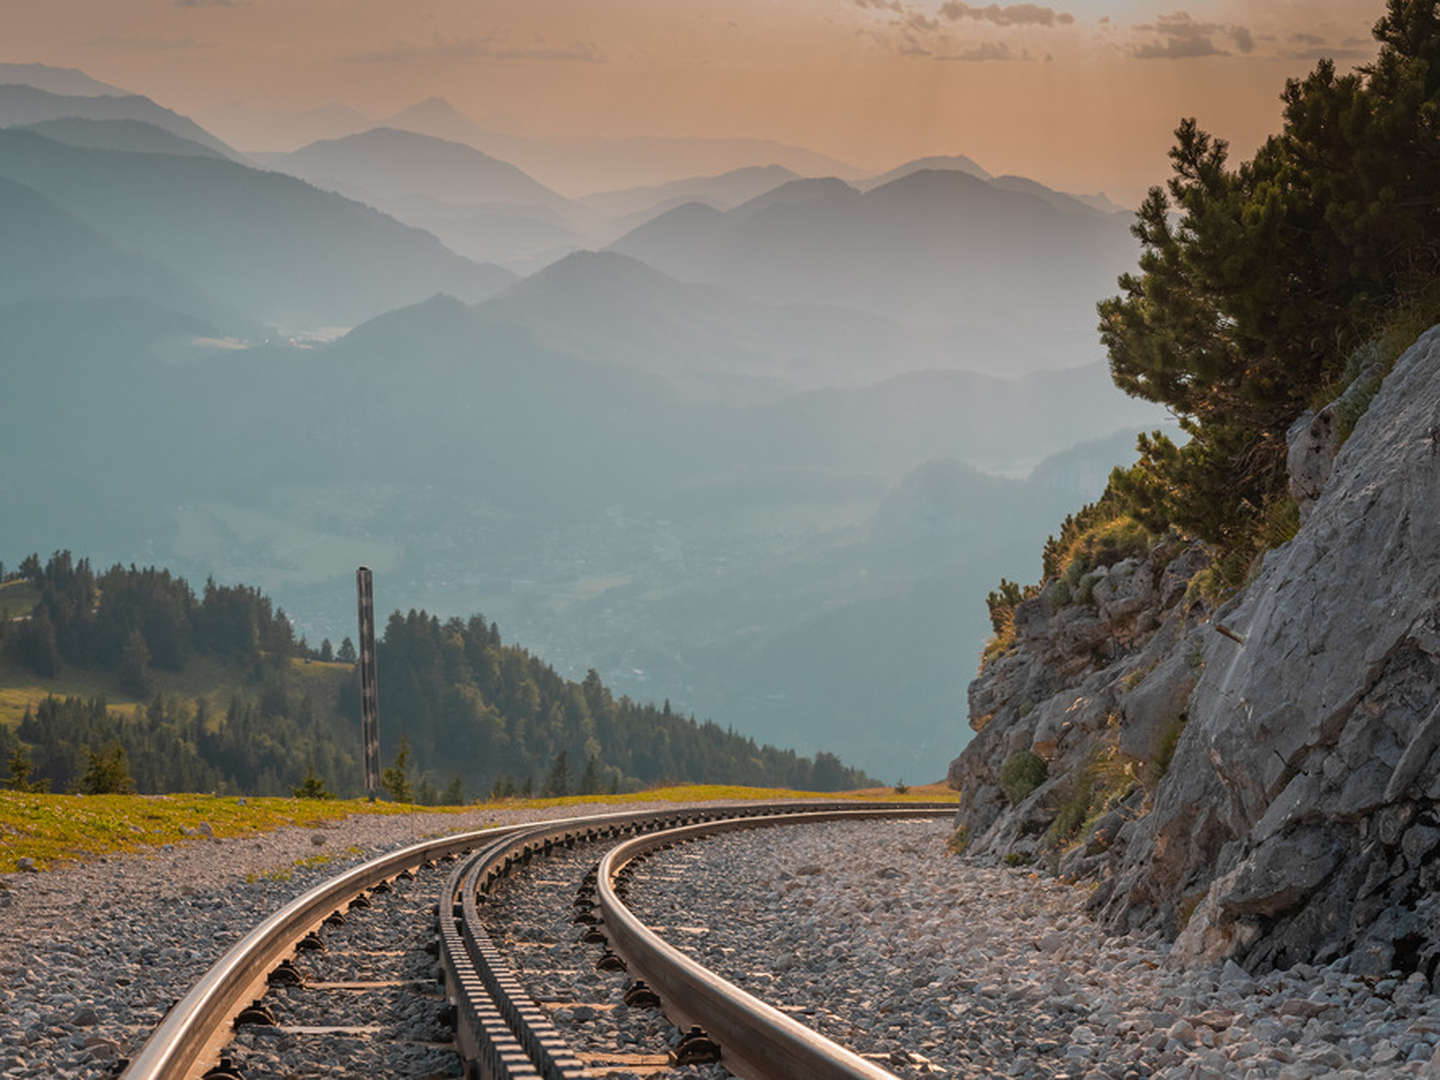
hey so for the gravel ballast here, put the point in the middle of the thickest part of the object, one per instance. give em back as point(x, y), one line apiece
point(868, 932)
point(530, 917)
point(93, 956)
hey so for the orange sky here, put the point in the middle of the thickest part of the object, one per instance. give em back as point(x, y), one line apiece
point(1079, 94)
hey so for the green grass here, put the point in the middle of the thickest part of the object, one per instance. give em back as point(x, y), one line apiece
point(17, 598)
point(713, 792)
point(53, 829)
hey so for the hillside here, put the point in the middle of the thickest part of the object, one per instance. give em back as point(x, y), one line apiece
point(273, 246)
point(133, 135)
point(48, 254)
point(224, 698)
point(21, 105)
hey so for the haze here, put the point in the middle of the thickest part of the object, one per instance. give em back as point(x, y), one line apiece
point(1080, 95)
point(735, 351)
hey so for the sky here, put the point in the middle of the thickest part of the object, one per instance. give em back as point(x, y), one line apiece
point(1079, 94)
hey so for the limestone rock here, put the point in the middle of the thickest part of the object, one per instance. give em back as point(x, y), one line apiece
point(1300, 772)
point(1299, 820)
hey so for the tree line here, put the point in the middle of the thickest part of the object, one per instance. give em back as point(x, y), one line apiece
point(462, 713)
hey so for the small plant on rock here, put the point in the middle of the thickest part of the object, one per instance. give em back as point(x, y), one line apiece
point(1022, 773)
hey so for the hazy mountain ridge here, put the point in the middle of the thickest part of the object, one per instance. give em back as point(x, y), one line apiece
point(23, 104)
point(137, 136)
point(273, 246)
point(930, 247)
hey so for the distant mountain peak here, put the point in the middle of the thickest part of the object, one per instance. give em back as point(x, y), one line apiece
point(958, 163)
point(434, 116)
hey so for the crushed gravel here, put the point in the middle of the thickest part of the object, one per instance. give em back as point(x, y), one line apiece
point(93, 956)
point(935, 964)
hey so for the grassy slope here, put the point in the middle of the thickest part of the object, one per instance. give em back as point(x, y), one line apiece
point(216, 682)
point(17, 598)
point(54, 829)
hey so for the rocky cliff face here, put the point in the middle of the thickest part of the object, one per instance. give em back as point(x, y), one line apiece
point(1299, 817)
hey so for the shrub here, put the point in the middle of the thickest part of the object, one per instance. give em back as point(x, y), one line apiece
point(311, 787)
point(959, 841)
point(901, 788)
point(1022, 773)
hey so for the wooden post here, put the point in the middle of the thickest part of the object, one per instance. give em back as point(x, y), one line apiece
point(369, 690)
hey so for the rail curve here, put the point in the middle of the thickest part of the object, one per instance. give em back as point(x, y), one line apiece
point(500, 1032)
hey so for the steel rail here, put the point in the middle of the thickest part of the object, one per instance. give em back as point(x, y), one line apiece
point(178, 1045)
point(501, 1031)
point(757, 1040)
point(492, 1044)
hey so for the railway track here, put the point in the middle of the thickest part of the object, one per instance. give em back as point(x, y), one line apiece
point(267, 982)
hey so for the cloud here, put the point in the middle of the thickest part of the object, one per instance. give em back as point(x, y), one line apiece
point(1007, 15)
point(1178, 36)
point(986, 50)
point(1307, 46)
point(151, 44)
point(444, 51)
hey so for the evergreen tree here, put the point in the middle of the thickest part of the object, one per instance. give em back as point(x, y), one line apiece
point(346, 655)
point(327, 654)
point(1256, 284)
point(312, 787)
point(134, 670)
point(21, 773)
point(454, 792)
point(107, 773)
point(590, 778)
point(396, 779)
point(558, 782)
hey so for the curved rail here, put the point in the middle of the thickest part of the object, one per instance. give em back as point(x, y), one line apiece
point(759, 1042)
point(179, 1043)
point(500, 1031)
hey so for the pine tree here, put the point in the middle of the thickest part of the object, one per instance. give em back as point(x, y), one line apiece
point(396, 779)
point(558, 782)
point(106, 773)
point(21, 771)
point(590, 778)
point(312, 787)
point(454, 792)
point(346, 655)
point(134, 671)
point(327, 654)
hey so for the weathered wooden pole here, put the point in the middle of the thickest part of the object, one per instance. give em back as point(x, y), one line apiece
point(369, 690)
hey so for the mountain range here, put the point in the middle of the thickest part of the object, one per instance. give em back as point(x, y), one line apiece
point(752, 454)
point(270, 245)
point(21, 104)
